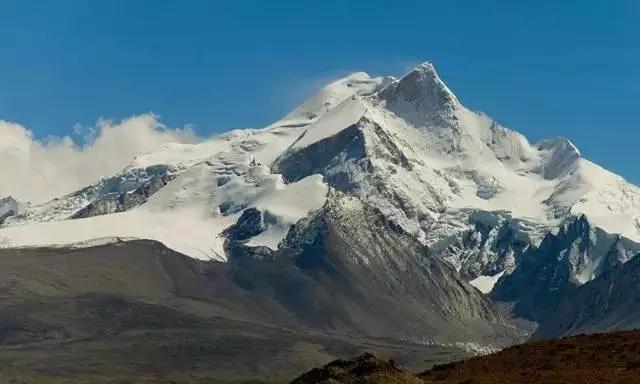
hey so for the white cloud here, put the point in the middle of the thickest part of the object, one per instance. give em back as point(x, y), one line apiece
point(38, 170)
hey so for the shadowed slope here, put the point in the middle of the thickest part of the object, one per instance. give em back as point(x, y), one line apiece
point(139, 310)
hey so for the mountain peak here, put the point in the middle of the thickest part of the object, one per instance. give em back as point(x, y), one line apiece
point(423, 88)
point(561, 154)
point(425, 77)
point(427, 66)
point(559, 143)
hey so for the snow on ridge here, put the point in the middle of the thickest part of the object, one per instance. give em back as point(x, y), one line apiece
point(178, 155)
point(345, 114)
point(427, 155)
point(187, 216)
point(292, 203)
point(314, 108)
point(607, 200)
point(421, 97)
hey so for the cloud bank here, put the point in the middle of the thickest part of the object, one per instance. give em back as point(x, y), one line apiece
point(39, 170)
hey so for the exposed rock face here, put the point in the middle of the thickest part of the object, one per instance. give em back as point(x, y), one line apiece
point(550, 273)
point(10, 207)
point(367, 161)
point(346, 261)
point(249, 224)
point(347, 147)
point(421, 90)
point(113, 199)
point(562, 157)
point(609, 302)
point(481, 243)
point(126, 190)
point(374, 260)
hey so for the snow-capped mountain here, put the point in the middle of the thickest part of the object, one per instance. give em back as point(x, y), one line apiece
point(476, 194)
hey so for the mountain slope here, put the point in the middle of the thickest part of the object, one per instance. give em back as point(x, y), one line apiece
point(407, 146)
point(603, 358)
point(548, 274)
point(135, 310)
point(388, 188)
point(609, 302)
point(366, 368)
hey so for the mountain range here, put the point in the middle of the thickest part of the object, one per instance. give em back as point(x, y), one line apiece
point(380, 210)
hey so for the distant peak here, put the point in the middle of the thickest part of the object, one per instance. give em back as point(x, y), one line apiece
point(562, 156)
point(358, 76)
point(559, 143)
point(427, 66)
point(426, 75)
point(422, 87)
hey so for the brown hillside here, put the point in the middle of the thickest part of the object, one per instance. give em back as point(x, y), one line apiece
point(584, 359)
point(365, 369)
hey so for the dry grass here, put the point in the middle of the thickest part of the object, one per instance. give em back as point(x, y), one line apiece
point(364, 369)
point(585, 359)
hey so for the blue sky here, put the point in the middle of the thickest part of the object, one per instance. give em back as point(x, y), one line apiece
point(546, 68)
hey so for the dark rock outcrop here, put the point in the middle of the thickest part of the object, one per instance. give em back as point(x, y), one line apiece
point(551, 273)
point(117, 200)
point(364, 369)
point(607, 303)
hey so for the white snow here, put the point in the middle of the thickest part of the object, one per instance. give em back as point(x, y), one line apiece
point(287, 205)
point(180, 156)
point(345, 114)
point(327, 98)
point(428, 157)
point(607, 200)
point(485, 284)
point(185, 216)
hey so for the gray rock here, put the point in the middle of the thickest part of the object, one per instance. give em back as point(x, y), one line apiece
point(548, 274)
point(611, 302)
point(119, 199)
